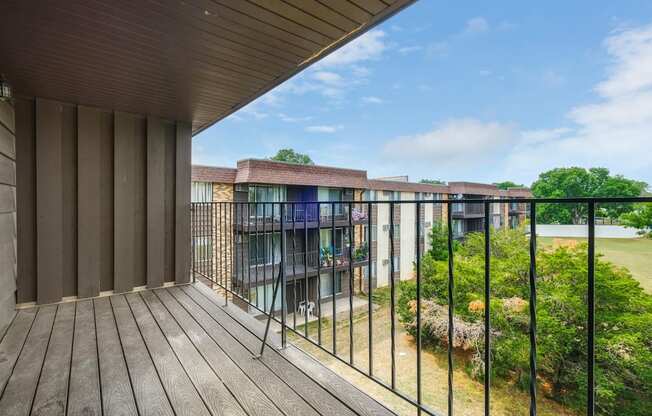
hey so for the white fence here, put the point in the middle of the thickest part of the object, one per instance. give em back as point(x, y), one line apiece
point(579, 231)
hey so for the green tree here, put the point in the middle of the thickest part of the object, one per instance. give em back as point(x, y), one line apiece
point(578, 183)
point(290, 156)
point(640, 218)
point(433, 181)
point(508, 184)
point(623, 316)
point(439, 242)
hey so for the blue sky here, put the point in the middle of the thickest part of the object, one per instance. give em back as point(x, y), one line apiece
point(478, 91)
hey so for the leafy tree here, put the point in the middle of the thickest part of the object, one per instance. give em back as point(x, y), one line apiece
point(433, 181)
point(508, 184)
point(623, 317)
point(439, 242)
point(640, 218)
point(577, 183)
point(290, 156)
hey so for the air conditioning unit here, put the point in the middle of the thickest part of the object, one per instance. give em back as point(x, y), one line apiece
point(386, 227)
point(428, 224)
point(385, 262)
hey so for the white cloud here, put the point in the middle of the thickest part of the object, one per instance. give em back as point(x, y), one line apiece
point(454, 142)
point(409, 49)
point(631, 71)
point(369, 46)
point(290, 119)
point(330, 78)
point(437, 49)
point(372, 100)
point(476, 25)
point(613, 131)
point(323, 129)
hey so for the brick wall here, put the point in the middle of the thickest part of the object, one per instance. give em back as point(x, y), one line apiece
point(223, 192)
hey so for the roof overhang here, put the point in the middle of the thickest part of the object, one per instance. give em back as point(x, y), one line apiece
point(192, 60)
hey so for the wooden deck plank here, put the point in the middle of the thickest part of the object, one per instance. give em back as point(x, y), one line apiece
point(318, 396)
point(84, 397)
point(347, 393)
point(117, 395)
point(148, 391)
point(216, 396)
point(19, 392)
point(12, 343)
point(52, 391)
point(248, 393)
point(183, 396)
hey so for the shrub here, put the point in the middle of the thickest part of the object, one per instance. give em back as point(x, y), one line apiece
point(623, 320)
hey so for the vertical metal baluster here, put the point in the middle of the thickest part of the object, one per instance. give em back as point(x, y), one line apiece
point(274, 250)
point(265, 257)
point(256, 254)
point(305, 266)
point(392, 293)
point(334, 318)
point(451, 306)
point(248, 215)
point(533, 309)
point(351, 242)
point(193, 250)
point(242, 249)
point(284, 309)
point(418, 266)
point(487, 310)
point(294, 266)
point(213, 247)
point(232, 259)
point(218, 239)
point(319, 272)
point(590, 406)
point(370, 297)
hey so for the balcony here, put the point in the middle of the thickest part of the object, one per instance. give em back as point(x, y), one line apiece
point(176, 350)
point(462, 210)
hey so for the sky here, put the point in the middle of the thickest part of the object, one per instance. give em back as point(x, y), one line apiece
point(466, 91)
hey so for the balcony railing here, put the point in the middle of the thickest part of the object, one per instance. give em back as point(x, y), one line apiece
point(225, 235)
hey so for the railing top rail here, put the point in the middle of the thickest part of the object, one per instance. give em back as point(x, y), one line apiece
point(597, 200)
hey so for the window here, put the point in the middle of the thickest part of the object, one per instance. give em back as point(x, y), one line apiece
point(325, 240)
point(365, 270)
point(457, 228)
point(374, 233)
point(369, 195)
point(331, 195)
point(260, 249)
point(396, 196)
point(201, 192)
point(258, 296)
point(261, 193)
point(396, 261)
point(326, 284)
point(397, 231)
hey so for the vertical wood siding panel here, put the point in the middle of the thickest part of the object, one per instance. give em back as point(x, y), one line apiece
point(69, 183)
point(182, 205)
point(49, 206)
point(106, 200)
point(89, 202)
point(26, 199)
point(170, 200)
point(130, 233)
point(155, 202)
point(124, 219)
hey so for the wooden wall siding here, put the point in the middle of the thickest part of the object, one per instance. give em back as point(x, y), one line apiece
point(182, 206)
point(26, 199)
point(98, 203)
point(7, 218)
point(130, 238)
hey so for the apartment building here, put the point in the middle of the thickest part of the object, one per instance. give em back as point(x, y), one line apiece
point(322, 248)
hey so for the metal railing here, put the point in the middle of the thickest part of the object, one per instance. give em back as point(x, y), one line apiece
point(228, 247)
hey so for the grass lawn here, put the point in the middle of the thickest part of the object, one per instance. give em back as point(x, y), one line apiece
point(633, 254)
point(506, 399)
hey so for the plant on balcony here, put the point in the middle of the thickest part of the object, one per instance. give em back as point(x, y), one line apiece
point(623, 315)
point(326, 257)
point(360, 252)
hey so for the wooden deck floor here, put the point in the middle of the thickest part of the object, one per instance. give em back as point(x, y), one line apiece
point(169, 351)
